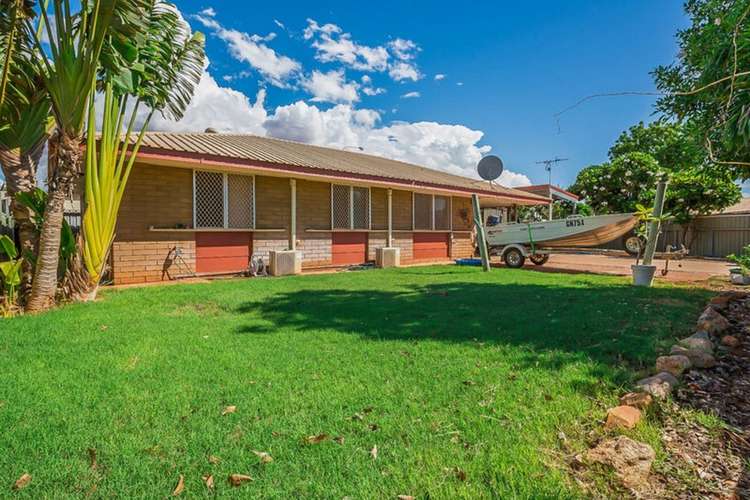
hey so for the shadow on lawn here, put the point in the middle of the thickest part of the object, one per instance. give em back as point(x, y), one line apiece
point(614, 324)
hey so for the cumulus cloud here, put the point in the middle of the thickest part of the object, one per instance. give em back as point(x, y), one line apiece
point(450, 148)
point(411, 95)
point(333, 44)
point(439, 77)
point(404, 71)
point(330, 87)
point(209, 12)
point(252, 49)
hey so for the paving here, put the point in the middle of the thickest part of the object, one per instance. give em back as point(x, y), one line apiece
point(680, 271)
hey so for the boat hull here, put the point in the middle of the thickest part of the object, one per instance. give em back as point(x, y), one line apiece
point(563, 233)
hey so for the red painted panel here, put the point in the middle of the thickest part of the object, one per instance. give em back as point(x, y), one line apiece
point(431, 246)
point(349, 248)
point(222, 252)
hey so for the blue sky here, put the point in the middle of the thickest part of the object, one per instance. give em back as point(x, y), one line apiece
point(508, 66)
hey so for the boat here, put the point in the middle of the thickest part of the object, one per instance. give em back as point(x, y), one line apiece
point(573, 231)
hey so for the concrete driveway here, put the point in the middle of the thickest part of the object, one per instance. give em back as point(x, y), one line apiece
point(682, 271)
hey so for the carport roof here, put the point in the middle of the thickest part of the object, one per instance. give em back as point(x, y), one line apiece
point(252, 151)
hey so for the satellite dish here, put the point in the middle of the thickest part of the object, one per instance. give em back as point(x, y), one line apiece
point(490, 167)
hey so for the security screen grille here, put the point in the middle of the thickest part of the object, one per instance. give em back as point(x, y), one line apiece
point(341, 206)
point(209, 199)
point(442, 213)
point(241, 201)
point(422, 211)
point(223, 200)
point(361, 207)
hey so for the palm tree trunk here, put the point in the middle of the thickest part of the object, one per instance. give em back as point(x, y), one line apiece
point(65, 155)
point(19, 168)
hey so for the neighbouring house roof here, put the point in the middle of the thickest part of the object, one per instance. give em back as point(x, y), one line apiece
point(240, 150)
point(547, 190)
point(743, 207)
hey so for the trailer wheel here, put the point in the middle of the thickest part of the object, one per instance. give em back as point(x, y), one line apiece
point(539, 259)
point(634, 245)
point(513, 258)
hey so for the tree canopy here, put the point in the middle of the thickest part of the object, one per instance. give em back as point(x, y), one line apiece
point(637, 159)
point(707, 87)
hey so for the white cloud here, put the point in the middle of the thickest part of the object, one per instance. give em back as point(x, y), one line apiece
point(411, 95)
point(404, 71)
point(331, 87)
point(275, 68)
point(404, 49)
point(371, 91)
point(279, 24)
point(439, 77)
point(451, 148)
point(209, 12)
point(460, 84)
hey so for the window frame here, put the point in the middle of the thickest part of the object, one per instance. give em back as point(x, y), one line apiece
point(351, 207)
point(225, 201)
point(432, 212)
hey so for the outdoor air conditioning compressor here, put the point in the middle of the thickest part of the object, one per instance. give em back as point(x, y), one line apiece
point(285, 262)
point(388, 257)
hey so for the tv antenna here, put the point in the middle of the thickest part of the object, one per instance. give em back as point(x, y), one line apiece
point(548, 167)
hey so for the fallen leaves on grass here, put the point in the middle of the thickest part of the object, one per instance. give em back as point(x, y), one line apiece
point(209, 480)
point(405, 497)
point(228, 410)
point(339, 439)
point(469, 382)
point(374, 452)
point(22, 481)
point(92, 458)
point(459, 473)
point(238, 479)
point(374, 427)
point(319, 438)
point(180, 486)
point(213, 459)
point(265, 458)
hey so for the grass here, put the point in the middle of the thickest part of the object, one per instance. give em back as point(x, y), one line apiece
point(444, 369)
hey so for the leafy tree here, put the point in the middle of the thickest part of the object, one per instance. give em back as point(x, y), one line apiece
point(707, 88)
point(639, 157)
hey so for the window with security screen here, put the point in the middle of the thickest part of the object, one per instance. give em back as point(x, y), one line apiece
point(361, 208)
point(422, 211)
point(350, 207)
point(209, 199)
point(223, 200)
point(442, 213)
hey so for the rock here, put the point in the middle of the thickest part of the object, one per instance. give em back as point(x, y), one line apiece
point(630, 459)
point(675, 364)
point(659, 386)
point(623, 416)
point(720, 302)
point(712, 321)
point(730, 341)
point(698, 358)
point(640, 400)
point(700, 335)
point(697, 344)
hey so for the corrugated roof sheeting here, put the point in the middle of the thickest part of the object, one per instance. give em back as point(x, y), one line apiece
point(277, 151)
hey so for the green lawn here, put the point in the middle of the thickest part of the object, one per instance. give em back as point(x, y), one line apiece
point(439, 367)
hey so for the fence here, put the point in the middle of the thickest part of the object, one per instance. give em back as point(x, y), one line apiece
point(710, 236)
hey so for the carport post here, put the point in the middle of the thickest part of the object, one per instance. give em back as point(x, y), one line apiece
point(293, 222)
point(480, 232)
point(389, 243)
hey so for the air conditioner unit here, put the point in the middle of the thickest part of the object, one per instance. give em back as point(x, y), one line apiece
point(388, 257)
point(285, 262)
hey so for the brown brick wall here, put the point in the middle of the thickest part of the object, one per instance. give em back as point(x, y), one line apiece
point(316, 249)
point(263, 243)
point(148, 261)
point(461, 246)
point(313, 205)
point(379, 210)
point(462, 213)
point(273, 202)
point(404, 241)
point(402, 211)
point(375, 241)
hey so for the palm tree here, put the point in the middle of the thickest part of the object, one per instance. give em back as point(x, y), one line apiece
point(24, 121)
point(162, 78)
point(74, 57)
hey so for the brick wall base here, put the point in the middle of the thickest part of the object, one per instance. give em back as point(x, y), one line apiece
point(316, 249)
point(150, 261)
point(461, 246)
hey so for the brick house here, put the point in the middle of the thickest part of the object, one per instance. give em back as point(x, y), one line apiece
point(206, 203)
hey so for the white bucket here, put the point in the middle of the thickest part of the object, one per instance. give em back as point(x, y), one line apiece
point(643, 275)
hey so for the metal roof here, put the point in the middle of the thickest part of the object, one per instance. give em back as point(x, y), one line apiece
point(249, 150)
